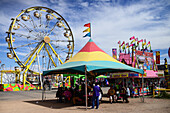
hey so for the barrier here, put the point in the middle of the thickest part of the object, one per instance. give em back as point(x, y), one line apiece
point(159, 91)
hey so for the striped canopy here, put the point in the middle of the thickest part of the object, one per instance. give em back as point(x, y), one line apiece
point(95, 60)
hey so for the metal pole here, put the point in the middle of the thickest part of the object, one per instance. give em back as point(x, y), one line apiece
point(40, 77)
point(1, 76)
point(142, 89)
point(39, 70)
point(86, 85)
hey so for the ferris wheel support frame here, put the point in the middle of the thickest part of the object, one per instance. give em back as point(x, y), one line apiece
point(24, 74)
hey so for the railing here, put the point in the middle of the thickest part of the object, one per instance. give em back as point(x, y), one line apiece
point(159, 91)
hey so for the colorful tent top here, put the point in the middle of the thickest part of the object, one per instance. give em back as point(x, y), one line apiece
point(95, 60)
point(101, 76)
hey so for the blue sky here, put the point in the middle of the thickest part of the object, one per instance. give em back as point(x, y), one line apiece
point(112, 20)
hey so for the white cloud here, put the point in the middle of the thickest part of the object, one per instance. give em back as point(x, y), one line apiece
point(111, 22)
point(4, 44)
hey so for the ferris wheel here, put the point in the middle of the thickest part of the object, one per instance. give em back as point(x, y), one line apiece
point(39, 39)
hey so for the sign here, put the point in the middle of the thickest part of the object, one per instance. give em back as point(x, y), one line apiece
point(148, 54)
point(119, 75)
point(144, 75)
point(157, 57)
point(126, 57)
point(140, 53)
point(114, 52)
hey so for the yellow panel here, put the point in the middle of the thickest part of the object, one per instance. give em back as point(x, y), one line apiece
point(92, 56)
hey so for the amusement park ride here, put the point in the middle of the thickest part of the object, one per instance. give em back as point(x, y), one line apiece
point(39, 39)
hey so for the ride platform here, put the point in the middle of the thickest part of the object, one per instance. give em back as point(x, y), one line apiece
point(18, 87)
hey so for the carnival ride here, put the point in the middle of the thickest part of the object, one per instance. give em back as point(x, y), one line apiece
point(39, 39)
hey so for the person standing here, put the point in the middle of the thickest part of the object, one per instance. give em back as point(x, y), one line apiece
point(112, 95)
point(95, 97)
point(125, 94)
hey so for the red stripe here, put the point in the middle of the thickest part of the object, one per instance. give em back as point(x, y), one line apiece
point(91, 47)
point(87, 25)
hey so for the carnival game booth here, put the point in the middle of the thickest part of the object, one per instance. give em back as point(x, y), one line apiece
point(151, 80)
point(134, 82)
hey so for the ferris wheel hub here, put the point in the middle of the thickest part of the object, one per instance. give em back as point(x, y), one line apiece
point(46, 39)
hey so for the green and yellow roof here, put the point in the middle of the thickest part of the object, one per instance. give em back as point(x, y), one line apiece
point(95, 60)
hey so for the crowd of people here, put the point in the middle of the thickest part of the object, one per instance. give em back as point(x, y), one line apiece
point(77, 95)
point(94, 93)
point(114, 94)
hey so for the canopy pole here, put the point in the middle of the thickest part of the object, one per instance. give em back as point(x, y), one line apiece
point(86, 84)
point(142, 89)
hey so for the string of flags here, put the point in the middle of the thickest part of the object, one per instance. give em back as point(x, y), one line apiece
point(135, 43)
point(88, 30)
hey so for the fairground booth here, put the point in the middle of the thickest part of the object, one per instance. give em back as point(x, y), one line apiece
point(142, 58)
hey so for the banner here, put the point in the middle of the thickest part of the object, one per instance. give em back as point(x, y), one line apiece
point(114, 52)
point(157, 57)
point(169, 52)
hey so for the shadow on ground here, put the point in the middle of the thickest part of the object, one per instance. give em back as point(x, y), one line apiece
point(53, 104)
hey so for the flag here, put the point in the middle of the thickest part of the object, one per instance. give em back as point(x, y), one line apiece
point(114, 52)
point(148, 42)
point(132, 41)
point(144, 42)
point(136, 39)
point(87, 25)
point(157, 57)
point(123, 43)
point(88, 34)
point(132, 45)
point(86, 30)
point(133, 37)
point(127, 45)
point(123, 47)
point(149, 45)
point(140, 40)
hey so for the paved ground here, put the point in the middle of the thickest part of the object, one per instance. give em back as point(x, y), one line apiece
point(30, 102)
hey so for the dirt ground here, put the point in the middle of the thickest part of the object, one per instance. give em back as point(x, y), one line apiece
point(31, 102)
